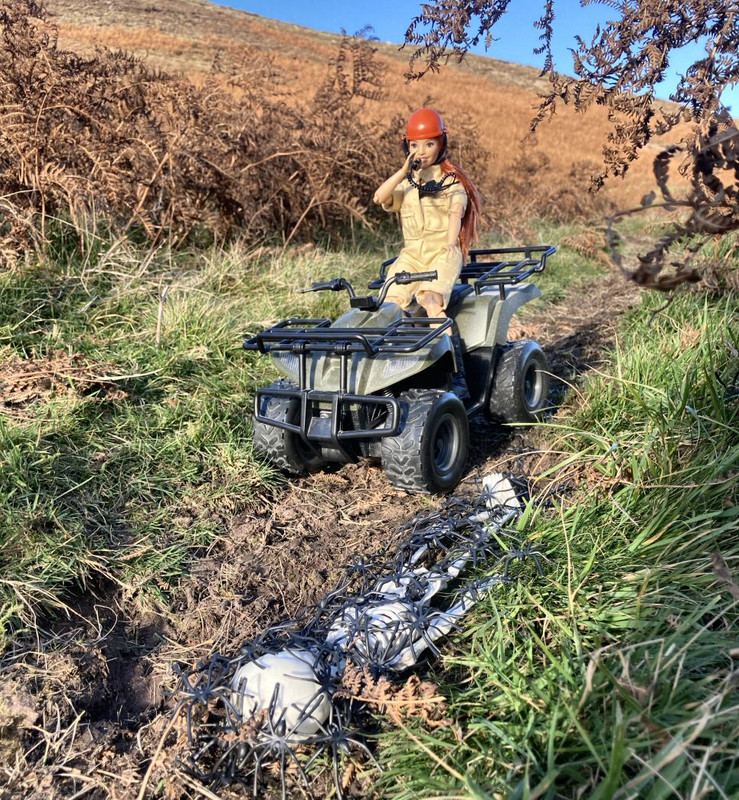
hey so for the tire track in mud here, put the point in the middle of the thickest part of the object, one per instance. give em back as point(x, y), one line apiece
point(97, 685)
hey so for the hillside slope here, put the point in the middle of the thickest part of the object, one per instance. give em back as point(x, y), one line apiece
point(195, 36)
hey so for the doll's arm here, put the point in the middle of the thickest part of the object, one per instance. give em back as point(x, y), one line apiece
point(384, 194)
point(456, 214)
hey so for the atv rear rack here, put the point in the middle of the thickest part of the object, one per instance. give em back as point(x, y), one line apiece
point(493, 266)
point(504, 272)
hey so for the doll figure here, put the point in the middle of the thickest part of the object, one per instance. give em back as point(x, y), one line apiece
point(439, 208)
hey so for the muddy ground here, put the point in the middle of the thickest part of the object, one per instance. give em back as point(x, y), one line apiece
point(84, 703)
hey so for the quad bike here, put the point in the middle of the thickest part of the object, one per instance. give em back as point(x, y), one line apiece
point(380, 383)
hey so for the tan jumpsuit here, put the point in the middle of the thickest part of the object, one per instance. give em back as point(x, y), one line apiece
point(425, 222)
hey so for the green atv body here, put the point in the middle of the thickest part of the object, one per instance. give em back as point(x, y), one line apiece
point(379, 383)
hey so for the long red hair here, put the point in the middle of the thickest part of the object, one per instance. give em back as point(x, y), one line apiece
point(468, 232)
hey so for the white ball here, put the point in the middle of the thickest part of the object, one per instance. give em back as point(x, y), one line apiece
point(300, 701)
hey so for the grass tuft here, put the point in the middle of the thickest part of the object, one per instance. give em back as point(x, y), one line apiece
point(614, 676)
point(126, 445)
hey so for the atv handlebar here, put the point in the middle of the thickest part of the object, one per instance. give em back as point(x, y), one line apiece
point(370, 303)
point(334, 285)
point(412, 277)
point(492, 267)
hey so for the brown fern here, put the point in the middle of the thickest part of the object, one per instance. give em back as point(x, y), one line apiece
point(398, 701)
point(107, 137)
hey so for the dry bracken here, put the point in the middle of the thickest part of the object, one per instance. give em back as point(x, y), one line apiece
point(107, 137)
point(621, 69)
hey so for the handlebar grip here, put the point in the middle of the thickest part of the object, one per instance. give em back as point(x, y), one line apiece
point(332, 286)
point(415, 277)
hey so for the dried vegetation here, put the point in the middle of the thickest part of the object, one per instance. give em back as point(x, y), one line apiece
point(27, 382)
point(620, 69)
point(413, 699)
point(97, 136)
point(106, 137)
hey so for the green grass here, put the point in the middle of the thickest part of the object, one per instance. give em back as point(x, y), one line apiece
point(613, 676)
point(130, 476)
point(127, 477)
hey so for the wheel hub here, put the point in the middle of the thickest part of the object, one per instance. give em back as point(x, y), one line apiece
point(445, 446)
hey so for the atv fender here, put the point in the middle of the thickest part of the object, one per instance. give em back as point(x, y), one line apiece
point(483, 320)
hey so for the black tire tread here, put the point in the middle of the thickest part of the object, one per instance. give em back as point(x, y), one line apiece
point(275, 445)
point(402, 455)
point(507, 403)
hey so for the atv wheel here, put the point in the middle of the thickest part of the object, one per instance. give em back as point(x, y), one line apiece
point(430, 450)
point(521, 383)
point(282, 448)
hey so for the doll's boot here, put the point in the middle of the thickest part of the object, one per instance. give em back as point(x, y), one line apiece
point(459, 381)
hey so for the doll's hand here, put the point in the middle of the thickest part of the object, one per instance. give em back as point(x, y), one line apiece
point(405, 169)
point(450, 248)
point(384, 194)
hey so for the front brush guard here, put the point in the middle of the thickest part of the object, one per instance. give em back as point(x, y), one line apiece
point(308, 337)
point(328, 429)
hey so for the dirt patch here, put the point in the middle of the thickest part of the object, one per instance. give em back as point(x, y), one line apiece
point(28, 382)
point(84, 710)
point(282, 557)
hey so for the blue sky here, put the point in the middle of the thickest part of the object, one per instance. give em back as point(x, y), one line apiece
point(515, 35)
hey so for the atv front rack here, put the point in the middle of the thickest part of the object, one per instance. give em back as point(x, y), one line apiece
point(406, 335)
point(493, 266)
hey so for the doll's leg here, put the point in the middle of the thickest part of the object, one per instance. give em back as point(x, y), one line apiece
point(401, 294)
point(434, 295)
point(394, 296)
point(435, 306)
point(433, 302)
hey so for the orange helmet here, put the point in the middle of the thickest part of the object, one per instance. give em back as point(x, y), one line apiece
point(424, 124)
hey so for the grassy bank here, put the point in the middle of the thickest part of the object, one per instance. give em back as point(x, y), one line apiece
point(125, 447)
point(614, 675)
point(126, 398)
point(126, 395)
